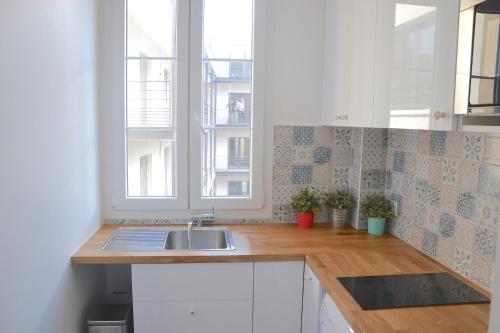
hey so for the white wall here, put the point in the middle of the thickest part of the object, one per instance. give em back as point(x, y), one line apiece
point(294, 49)
point(49, 202)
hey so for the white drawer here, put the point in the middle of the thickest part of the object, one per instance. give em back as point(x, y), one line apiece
point(193, 317)
point(200, 282)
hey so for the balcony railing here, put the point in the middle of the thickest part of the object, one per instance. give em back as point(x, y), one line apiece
point(149, 104)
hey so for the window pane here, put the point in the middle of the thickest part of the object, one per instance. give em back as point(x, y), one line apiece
point(151, 28)
point(227, 29)
point(151, 167)
point(227, 97)
point(227, 93)
point(150, 93)
point(151, 98)
point(226, 159)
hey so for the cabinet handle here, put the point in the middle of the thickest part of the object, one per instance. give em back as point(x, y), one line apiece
point(439, 115)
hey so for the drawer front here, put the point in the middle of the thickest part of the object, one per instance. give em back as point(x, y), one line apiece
point(192, 317)
point(200, 282)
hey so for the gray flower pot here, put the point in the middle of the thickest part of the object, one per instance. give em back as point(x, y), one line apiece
point(340, 217)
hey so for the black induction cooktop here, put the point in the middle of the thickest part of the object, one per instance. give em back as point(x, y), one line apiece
point(400, 291)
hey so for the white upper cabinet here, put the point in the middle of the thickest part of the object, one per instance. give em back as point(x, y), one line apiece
point(349, 57)
point(415, 64)
point(390, 63)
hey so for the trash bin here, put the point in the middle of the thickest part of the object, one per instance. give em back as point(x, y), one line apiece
point(109, 318)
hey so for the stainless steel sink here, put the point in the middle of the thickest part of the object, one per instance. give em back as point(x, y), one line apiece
point(169, 239)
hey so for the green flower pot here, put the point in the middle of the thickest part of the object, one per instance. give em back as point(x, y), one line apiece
point(376, 226)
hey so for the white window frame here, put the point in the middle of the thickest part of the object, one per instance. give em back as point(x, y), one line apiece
point(120, 200)
point(189, 80)
point(255, 200)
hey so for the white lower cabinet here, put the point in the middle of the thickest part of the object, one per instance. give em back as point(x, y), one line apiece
point(278, 297)
point(192, 298)
point(261, 297)
point(193, 317)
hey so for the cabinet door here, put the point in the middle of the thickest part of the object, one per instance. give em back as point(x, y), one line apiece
point(278, 297)
point(311, 302)
point(415, 63)
point(349, 59)
point(193, 317)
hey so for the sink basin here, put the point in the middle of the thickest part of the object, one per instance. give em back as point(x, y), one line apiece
point(201, 239)
point(159, 239)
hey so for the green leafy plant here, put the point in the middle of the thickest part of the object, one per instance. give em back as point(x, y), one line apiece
point(338, 200)
point(376, 206)
point(306, 201)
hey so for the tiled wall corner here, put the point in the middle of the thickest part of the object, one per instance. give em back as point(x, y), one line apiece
point(447, 186)
point(302, 158)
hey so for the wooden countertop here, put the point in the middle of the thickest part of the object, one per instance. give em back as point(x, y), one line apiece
point(329, 253)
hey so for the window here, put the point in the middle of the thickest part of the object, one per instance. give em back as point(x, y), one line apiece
point(237, 188)
point(239, 153)
point(201, 51)
point(150, 97)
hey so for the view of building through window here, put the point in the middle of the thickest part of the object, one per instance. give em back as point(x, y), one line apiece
point(226, 108)
point(151, 86)
point(227, 97)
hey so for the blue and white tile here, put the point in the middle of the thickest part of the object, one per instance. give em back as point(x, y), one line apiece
point(354, 178)
point(356, 157)
point(283, 135)
point(449, 198)
point(302, 174)
point(322, 155)
point(303, 135)
point(424, 142)
point(341, 157)
point(464, 233)
point(303, 155)
point(422, 167)
point(468, 176)
point(410, 140)
point(462, 262)
point(323, 136)
point(450, 170)
point(419, 213)
point(466, 205)
point(282, 175)
point(357, 137)
point(489, 180)
point(487, 211)
point(403, 229)
point(408, 188)
point(447, 225)
point(438, 143)
point(430, 243)
point(388, 180)
point(373, 138)
point(397, 200)
point(454, 145)
point(473, 147)
point(374, 158)
point(283, 213)
point(283, 194)
point(484, 241)
point(342, 137)
point(410, 163)
point(399, 161)
point(284, 155)
point(322, 174)
point(372, 178)
point(340, 177)
point(421, 190)
point(434, 195)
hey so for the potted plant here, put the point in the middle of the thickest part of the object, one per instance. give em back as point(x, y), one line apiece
point(339, 202)
point(306, 203)
point(377, 209)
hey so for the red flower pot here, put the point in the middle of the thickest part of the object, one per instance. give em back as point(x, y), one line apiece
point(305, 220)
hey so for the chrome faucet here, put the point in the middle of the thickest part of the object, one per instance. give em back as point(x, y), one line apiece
point(199, 219)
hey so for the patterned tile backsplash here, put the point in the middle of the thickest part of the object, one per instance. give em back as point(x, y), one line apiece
point(454, 209)
point(446, 185)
